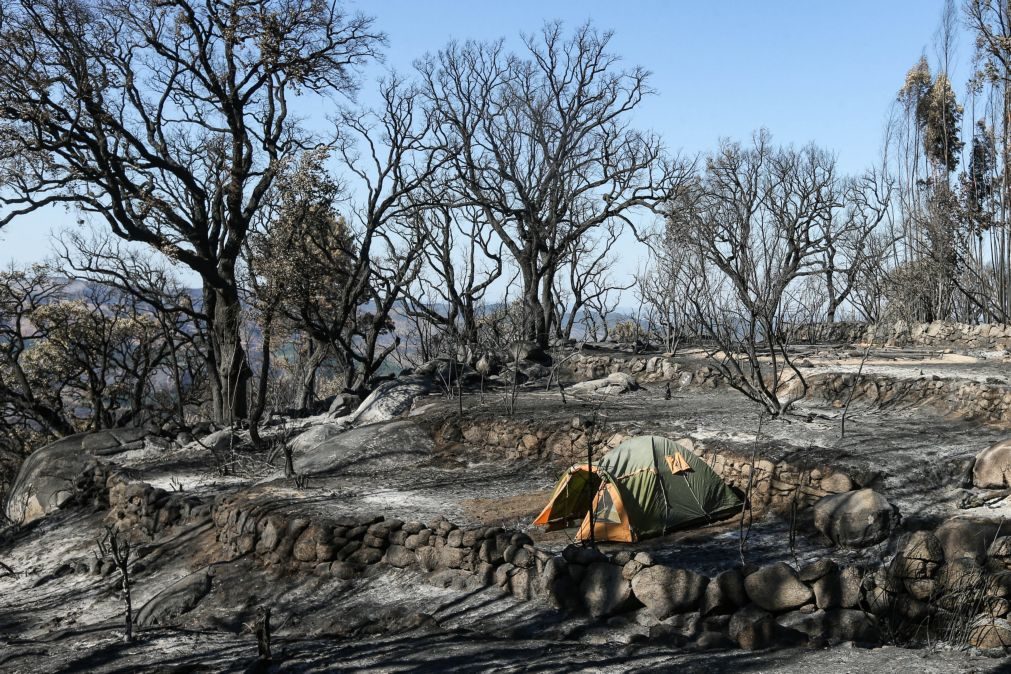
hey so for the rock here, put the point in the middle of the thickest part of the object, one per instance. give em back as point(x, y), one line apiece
point(992, 469)
point(365, 556)
point(999, 584)
point(523, 558)
point(525, 350)
point(178, 598)
point(368, 448)
point(755, 629)
point(966, 537)
point(815, 570)
point(535, 371)
point(879, 601)
point(855, 519)
point(1000, 551)
point(666, 591)
point(112, 441)
point(777, 588)
point(725, 593)
point(44, 482)
point(220, 441)
point(851, 625)
point(963, 575)
point(644, 558)
point(811, 624)
point(501, 575)
point(558, 586)
point(631, 568)
point(399, 556)
point(615, 383)
point(711, 641)
point(587, 556)
point(920, 556)
point(687, 625)
point(837, 483)
point(520, 584)
point(390, 400)
point(428, 558)
point(604, 590)
point(911, 608)
point(990, 633)
point(304, 549)
point(308, 439)
point(838, 589)
point(923, 589)
point(344, 404)
point(343, 570)
point(451, 558)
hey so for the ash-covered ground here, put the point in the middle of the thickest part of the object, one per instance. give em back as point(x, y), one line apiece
point(59, 611)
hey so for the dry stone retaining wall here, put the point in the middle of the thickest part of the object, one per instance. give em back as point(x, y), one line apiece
point(963, 397)
point(138, 506)
point(776, 484)
point(588, 365)
point(953, 583)
point(992, 336)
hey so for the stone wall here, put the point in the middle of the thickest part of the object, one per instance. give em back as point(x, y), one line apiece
point(589, 365)
point(940, 334)
point(562, 443)
point(953, 583)
point(963, 397)
point(135, 506)
point(777, 483)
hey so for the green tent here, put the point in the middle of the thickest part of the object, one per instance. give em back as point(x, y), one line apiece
point(646, 486)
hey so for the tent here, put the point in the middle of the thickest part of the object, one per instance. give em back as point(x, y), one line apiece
point(646, 486)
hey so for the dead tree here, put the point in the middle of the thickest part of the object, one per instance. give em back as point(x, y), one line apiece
point(462, 260)
point(148, 283)
point(117, 548)
point(541, 142)
point(664, 287)
point(755, 221)
point(262, 630)
point(585, 288)
point(26, 403)
point(344, 271)
point(850, 245)
point(167, 122)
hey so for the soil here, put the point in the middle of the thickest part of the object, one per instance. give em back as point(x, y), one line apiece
point(399, 620)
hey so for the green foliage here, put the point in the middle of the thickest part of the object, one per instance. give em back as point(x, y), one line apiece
point(979, 181)
point(937, 112)
point(939, 115)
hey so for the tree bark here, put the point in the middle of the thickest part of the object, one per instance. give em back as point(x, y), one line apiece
point(231, 371)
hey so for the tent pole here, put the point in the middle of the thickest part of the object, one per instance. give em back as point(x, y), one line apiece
point(590, 493)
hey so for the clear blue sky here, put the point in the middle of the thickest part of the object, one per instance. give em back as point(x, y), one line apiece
point(809, 71)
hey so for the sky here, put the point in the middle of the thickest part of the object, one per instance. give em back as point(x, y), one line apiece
point(825, 72)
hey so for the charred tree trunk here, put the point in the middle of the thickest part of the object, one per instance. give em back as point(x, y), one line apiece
point(228, 364)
